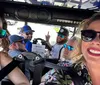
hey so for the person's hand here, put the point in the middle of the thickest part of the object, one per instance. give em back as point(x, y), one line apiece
point(47, 37)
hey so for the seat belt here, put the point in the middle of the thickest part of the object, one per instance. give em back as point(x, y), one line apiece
point(60, 53)
point(7, 69)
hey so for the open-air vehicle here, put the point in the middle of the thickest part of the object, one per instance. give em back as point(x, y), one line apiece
point(54, 16)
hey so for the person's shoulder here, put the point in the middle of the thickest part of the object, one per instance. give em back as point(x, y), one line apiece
point(4, 57)
point(14, 53)
point(83, 73)
point(78, 66)
point(28, 41)
point(3, 54)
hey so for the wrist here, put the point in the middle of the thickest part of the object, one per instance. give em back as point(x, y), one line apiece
point(47, 40)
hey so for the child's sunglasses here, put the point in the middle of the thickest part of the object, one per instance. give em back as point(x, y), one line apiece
point(88, 35)
point(3, 33)
point(60, 35)
point(70, 48)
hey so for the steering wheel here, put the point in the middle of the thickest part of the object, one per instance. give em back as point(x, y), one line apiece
point(43, 43)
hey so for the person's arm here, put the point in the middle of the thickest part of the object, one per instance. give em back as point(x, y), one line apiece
point(47, 41)
point(16, 75)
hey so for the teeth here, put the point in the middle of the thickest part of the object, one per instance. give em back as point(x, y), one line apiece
point(95, 52)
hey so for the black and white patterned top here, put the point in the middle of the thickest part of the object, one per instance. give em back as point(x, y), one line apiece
point(60, 77)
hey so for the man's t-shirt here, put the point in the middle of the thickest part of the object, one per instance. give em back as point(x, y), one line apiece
point(14, 53)
point(28, 46)
point(55, 51)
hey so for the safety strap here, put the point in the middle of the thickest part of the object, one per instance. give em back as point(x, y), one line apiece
point(7, 69)
point(60, 53)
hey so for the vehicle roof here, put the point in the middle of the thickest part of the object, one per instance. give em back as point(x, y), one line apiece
point(48, 14)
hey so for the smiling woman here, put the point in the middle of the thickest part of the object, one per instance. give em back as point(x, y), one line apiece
point(88, 67)
point(91, 47)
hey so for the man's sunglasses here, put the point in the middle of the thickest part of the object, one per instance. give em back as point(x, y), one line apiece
point(70, 48)
point(60, 35)
point(29, 33)
point(88, 35)
point(3, 33)
point(22, 41)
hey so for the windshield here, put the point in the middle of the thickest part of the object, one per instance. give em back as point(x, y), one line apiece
point(40, 29)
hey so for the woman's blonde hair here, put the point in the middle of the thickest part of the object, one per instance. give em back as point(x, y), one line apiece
point(75, 57)
point(77, 46)
point(86, 22)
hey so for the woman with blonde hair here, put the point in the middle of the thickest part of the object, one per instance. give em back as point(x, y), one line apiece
point(89, 70)
point(75, 54)
point(70, 54)
point(91, 47)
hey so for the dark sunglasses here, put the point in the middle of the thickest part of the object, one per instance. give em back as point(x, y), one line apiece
point(3, 33)
point(29, 33)
point(88, 35)
point(22, 41)
point(60, 35)
point(70, 48)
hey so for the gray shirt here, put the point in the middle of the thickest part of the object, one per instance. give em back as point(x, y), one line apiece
point(14, 53)
point(55, 51)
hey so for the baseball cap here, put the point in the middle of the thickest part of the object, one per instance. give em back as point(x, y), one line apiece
point(15, 38)
point(26, 29)
point(63, 31)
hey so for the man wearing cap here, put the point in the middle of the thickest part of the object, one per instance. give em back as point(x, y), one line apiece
point(27, 33)
point(16, 47)
point(62, 37)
